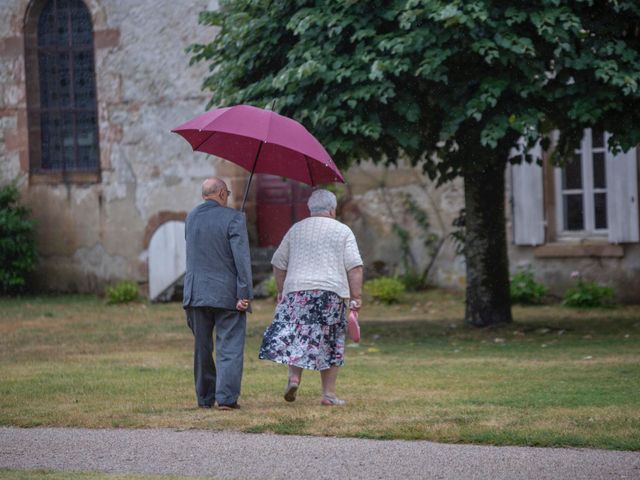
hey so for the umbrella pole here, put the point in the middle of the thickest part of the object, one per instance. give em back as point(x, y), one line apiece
point(253, 169)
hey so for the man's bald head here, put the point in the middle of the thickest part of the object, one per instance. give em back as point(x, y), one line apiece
point(215, 189)
point(212, 185)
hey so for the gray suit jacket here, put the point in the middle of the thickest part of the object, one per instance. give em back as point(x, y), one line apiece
point(218, 258)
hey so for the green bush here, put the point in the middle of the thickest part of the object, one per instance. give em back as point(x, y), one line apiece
point(525, 290)
point(272, 288)
point(588, 295)
point(385, 289)
point(122, 292)
point(18, 254)
point(413, 281)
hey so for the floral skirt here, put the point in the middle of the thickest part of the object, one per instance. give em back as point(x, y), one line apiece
point(308, 331)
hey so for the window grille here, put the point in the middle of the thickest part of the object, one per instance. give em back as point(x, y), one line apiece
point(66, 109)
point(582, 188)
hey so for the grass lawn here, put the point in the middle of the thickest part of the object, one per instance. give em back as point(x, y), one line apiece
point(555, 377)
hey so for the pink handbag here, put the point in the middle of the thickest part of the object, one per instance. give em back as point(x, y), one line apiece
point(353, 327)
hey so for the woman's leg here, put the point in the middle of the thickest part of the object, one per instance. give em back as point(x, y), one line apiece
point(295, 374)
point(329, 377)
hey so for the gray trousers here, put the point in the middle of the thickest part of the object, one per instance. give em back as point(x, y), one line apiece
point(219, 381)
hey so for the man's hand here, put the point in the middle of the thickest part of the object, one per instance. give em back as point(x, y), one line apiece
point(242, 305)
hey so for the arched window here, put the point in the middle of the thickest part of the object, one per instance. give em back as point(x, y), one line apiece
point(61, 91)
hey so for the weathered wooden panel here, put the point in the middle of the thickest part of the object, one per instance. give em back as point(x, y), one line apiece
point(622, 191)
point(528, 202)
point(167, 257)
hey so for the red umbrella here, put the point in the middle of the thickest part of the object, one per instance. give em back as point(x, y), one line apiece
point(261, 141)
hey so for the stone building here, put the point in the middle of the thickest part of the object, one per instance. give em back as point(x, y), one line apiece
point(581, 218)
point(89, 91)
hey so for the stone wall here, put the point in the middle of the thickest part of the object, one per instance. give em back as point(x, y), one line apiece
point(373, 202)
point(616, 266)
point(621, 273)
point(92, 234)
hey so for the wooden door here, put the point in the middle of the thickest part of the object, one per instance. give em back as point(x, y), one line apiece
point(280, 203)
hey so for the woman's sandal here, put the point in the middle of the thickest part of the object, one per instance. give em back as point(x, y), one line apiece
point(290, 391)
point(332, 401)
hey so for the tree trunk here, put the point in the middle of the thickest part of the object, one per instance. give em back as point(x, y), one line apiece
point(488, 299)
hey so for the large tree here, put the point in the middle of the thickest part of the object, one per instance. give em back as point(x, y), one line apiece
point(449, 85)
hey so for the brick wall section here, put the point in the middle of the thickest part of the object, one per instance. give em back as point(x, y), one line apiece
point(157, 220)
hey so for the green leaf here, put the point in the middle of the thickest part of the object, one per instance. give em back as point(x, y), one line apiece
point(372, 79)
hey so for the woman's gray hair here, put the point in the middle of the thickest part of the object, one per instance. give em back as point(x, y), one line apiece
point(321, 201)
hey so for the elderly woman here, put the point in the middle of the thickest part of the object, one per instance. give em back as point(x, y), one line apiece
point(318, 269)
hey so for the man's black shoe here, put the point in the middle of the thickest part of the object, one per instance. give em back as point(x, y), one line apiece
point(229, 406)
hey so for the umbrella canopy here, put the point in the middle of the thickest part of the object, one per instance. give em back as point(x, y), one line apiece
point(261, 141)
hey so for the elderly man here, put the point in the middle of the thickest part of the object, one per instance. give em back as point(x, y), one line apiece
point(217, 293)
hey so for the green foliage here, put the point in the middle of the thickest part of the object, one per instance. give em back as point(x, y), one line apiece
point(122, 292)
point(337, 189)
point(385, 289)
point(411, 277)
point(461, 79)
point(413, 280)
point(271, 287)
point(18, 254)
point(588, 295)
point(525, 290)
point(420, 217)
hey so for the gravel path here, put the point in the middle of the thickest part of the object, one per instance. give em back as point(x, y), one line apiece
point(263, 456)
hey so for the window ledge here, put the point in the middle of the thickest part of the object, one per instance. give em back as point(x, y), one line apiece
point(50, 178)
point(579, 249)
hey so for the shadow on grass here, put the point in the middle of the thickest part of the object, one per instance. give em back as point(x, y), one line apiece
point(545, 324)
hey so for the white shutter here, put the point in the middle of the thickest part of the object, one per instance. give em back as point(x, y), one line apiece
point(622, 197)
point(528, 200)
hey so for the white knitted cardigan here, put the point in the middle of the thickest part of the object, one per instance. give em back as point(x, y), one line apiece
point(317, 253)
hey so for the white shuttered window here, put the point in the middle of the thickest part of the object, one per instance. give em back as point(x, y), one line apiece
point(581, 190)
point(595, 196)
